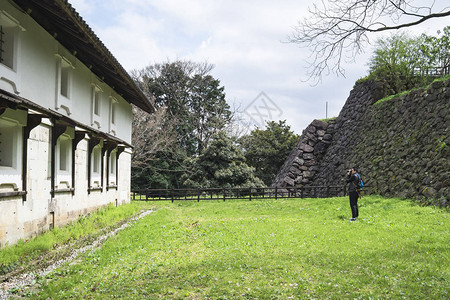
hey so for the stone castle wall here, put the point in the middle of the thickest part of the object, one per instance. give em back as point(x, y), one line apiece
point(303, 163)
point(401, 145)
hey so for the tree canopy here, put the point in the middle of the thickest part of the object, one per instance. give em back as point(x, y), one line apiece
point(338, 30)
point(185, 144)
point(190, 108)
point(267, 149)
point(402, 62)
point(220, 165)
point(191, 96)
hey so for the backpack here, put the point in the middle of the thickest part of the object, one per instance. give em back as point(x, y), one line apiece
point(360, 183)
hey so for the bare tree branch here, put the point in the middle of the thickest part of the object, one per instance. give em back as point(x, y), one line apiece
point(151, 133)
point(337, 30)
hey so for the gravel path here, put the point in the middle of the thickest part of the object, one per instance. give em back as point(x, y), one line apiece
point(29, 278)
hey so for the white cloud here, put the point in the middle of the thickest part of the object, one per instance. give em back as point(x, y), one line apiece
point(243, 39)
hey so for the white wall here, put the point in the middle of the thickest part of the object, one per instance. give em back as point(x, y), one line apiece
point(36, 78)
point(39, 213)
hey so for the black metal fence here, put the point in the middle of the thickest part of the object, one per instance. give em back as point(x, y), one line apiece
point(432, 71)
point(239, 193)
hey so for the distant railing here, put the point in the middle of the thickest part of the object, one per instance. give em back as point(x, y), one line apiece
point(239, 193)
point(432, 72)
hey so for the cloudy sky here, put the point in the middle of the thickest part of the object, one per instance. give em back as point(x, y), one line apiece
point(244, 40)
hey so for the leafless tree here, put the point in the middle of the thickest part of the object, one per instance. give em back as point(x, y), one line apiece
point(337, 30)
point(151, 133)
point(239, 125)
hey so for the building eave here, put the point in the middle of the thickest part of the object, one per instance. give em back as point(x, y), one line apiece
point(9, 100)
point(61, 20)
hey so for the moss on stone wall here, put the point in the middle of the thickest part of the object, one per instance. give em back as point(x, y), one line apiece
point(403, 144)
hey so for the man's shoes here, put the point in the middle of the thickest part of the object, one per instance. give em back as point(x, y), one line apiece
point(352, 219)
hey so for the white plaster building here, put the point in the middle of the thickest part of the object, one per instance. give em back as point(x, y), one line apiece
point(65, 119)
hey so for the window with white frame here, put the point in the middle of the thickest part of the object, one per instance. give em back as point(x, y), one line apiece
point(64, 88)
point(97, 96)
point(7, 46)
point(112, 167)
point(96, 109)
point(9, 134)
point(11, 139)
point(64, 154)
point(9, 51)
point(96, 166)
point(9, 29)
point(64, 159)
point(64, 69)
point(112, 115)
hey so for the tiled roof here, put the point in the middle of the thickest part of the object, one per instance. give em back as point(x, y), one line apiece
point(61, 20)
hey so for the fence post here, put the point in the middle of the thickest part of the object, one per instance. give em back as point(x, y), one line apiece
point(250, 196)
point(224, 191)
point(276, 193)
point(198, 195)
point(171, 194)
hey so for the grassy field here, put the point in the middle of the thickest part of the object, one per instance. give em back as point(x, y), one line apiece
point(267, 249)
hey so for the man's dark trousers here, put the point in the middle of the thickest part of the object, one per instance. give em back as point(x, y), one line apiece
point(353, 195)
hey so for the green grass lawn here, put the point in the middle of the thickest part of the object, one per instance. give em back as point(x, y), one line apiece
point(267, 249)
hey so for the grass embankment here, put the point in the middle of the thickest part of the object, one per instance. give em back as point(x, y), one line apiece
point(390, 97)
point(300, 248)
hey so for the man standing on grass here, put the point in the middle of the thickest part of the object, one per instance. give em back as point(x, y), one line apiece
point(353, 181)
